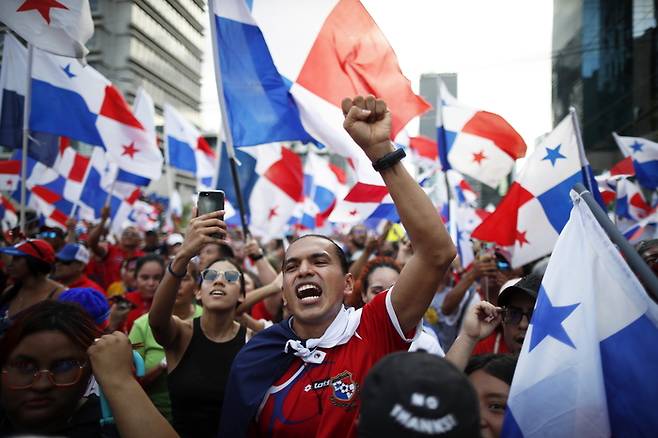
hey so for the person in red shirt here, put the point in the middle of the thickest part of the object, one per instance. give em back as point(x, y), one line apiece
point(70, 264)
point(517, 298)
point(303, 377)
point(105, 268)
point(130, 306)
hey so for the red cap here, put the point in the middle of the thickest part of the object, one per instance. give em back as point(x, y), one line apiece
point(37, 248)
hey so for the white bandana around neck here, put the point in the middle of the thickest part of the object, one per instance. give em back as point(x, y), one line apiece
point(338, 333)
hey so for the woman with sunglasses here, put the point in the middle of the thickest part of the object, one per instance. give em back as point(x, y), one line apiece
point(199, 353)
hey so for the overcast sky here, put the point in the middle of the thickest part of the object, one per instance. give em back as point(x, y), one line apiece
point(500, 50)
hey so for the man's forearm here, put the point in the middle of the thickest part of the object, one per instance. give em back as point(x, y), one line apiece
point(419, 216)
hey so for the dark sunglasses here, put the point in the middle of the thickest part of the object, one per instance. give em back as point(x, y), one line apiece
point(229, 276)
point(513, 315)
point(47, 234)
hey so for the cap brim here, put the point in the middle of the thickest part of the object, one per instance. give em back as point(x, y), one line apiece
point(12, 251)
point(508, 291)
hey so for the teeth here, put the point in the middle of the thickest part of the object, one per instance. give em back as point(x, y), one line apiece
point(217, 292)
point(305, 287)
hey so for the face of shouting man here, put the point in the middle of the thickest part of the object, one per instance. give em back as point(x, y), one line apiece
point(315, 282)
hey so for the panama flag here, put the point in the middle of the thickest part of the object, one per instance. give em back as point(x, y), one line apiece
point(271, 179)
point(8, 216)
point(297, 79)
point(588, 361)
point(644, 155)
point(630, 207)
point(78, 102)
point(187, 149)
point(57, 26)
point(645, 229)
point(42, 146)
point(277, 190)
point(10, 174)
point(477, 143)
point(530, 217)
point(323, 184)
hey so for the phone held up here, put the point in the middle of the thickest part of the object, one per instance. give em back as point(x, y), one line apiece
point(209, 201)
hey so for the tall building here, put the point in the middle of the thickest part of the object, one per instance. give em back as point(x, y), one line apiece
point(429, 90)
point(605, 64)
point(154, 43)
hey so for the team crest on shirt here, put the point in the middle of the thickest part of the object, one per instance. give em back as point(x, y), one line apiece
point(344, 390)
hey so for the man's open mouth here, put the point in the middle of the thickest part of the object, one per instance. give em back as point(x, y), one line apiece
point(217, 293)
point(308, 292)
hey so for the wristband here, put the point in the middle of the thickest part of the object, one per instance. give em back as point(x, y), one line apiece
point(175, 275)
point(256, 257)
point(389, 160)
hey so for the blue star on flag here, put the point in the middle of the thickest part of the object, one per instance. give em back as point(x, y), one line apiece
point(547, 321)
point(637, 146)
point(553, 154)
point(68, 71)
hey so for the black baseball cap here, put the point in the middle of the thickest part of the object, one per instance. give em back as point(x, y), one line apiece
point(418, 395)
point(528, 285)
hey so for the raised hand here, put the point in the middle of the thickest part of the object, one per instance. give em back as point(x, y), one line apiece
point(368, 122)
point(202, 230)
point(481, 320)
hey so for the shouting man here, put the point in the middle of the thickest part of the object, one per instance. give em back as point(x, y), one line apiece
point(302, 377)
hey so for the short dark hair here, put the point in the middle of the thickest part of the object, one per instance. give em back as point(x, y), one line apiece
point(500, 366)
point(148, 258)
point(235, 264)
point(67, 318)
point(344, 264)
point(36, 266)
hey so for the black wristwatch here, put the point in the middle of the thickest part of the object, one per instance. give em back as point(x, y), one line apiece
point(389, 160)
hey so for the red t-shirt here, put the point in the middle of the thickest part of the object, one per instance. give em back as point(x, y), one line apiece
point(85, 281)
point(494, 343)
point(141, 307)
point(108, 270)
point(322, 400)
point(259, 311)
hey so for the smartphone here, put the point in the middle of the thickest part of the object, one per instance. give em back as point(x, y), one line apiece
point(121, 302)
point(209, 201)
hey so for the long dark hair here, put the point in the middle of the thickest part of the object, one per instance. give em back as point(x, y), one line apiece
point(50, 315)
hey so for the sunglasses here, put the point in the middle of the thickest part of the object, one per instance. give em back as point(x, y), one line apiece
point(513, 315)
point(47, 234)
point(212, 275)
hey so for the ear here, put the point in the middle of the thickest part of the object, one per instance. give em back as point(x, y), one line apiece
point(349, 284)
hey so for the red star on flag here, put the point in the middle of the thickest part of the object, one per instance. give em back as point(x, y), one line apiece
point(10, 183)
point(353, 213)
point(520, 237)
point(130, 150)
point(272, 213)
point(478, 157)
point(43, 6)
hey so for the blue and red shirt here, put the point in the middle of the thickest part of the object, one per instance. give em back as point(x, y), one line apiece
point(322, 400)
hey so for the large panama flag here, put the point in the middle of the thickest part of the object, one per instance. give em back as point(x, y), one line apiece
point(588, 361)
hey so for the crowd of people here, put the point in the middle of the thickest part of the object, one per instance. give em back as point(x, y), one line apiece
point(344, 335)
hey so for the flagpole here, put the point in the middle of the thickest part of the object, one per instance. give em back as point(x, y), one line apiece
point(581, 149)
point(170, 179)
point(634, 260)
point(230, 151)
point(26, 135)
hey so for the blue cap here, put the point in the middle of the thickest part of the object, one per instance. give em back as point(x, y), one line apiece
point(74, 251)
point(91, 300)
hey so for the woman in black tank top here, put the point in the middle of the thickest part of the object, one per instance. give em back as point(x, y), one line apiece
point(199, 354)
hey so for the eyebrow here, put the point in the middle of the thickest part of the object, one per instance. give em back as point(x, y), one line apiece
point(315, 255)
